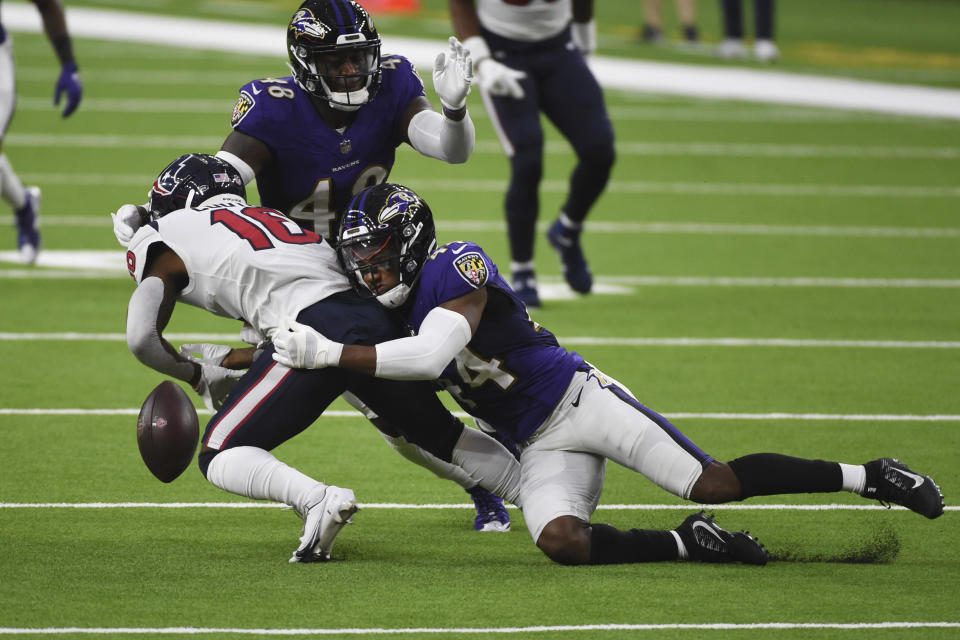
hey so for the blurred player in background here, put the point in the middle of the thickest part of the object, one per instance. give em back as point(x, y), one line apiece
point(313, 139)
point(562, 415)
point(530, 58)
point(205, 246)
point(25, 201)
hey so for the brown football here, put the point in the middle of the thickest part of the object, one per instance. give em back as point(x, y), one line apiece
point(167, 431)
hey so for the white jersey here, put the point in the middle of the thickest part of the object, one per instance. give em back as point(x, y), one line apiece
point(530, 22)
point(244, 262)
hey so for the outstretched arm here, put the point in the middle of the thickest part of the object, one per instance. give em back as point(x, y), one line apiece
point(445, 331)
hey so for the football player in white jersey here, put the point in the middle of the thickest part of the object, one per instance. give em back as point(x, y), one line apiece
point(205, 246)
point(311, 142)
point(25, 201)
point(529, 57)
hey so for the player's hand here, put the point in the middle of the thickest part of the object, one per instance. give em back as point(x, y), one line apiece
point(303, 347)
point(69, 83)
point(126, 221)
point(584, 35)
point(453, 75)
point(216, 381)
point(499, 79)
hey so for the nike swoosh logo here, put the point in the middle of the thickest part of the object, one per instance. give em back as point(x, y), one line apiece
point(917, 480)
point(703, 525)
point(256, 91)
point(576, 403)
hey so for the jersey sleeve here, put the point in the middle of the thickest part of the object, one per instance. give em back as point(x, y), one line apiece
point(139, 248)
point(257, 112)
point(402, 83)
point(455, 270)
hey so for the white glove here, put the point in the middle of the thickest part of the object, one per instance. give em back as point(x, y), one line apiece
point(216, 382)
point(499, 79)
point(453, 75)
point(494, 77)
point(584, 36)
point(126, 221)
point(303, 347)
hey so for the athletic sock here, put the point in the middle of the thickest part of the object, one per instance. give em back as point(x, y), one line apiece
point(256, 473)
point(854, 477)
point(765, 474)
point(609, 545)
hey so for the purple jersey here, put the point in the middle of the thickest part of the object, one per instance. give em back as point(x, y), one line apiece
point(316, 169)
point(512, 373)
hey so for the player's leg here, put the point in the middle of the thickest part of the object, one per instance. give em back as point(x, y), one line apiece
point(573, 101)
point(560, 489)
point(270, 405)
point(764, 48)
point(517, 123)
point(732, 45)
point(652, 29)
point(491, 515)
point(614, 424)
point(25, 201)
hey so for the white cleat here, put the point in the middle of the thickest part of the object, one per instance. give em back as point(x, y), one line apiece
point(323, 522)
point(732, 49)
point(766, 51)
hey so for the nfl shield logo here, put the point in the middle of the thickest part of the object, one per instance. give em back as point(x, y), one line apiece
point(346, 147)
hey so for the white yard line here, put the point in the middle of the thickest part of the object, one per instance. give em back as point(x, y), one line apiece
point(574, 341)
point(561, 186)
point(619, 228)
point(718, 149)
point(459, 631)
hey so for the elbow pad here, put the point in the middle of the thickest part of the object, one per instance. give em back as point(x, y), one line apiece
point(442, 336)
point(437, 136)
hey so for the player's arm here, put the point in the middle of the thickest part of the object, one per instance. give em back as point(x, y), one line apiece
point(450, 135)
point(248, 155)
point(149, 311)
point(444, 332)
point(55, 26)
point(494, 77)
point(583, 29)
point(148, 314)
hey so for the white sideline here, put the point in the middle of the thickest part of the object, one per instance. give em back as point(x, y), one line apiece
point(706, 626)
point(714, 82)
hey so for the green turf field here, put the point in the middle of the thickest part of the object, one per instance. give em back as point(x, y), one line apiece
point(773, 278)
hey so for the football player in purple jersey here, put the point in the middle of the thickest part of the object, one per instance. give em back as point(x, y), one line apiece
point(315, 138)
point(563, 416)
point(530, 58)
point(25, 201)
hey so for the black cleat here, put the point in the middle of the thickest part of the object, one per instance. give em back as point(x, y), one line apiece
point(706, 541)
point(892, 482)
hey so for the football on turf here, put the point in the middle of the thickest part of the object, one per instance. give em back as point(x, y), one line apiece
point(167, 431)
